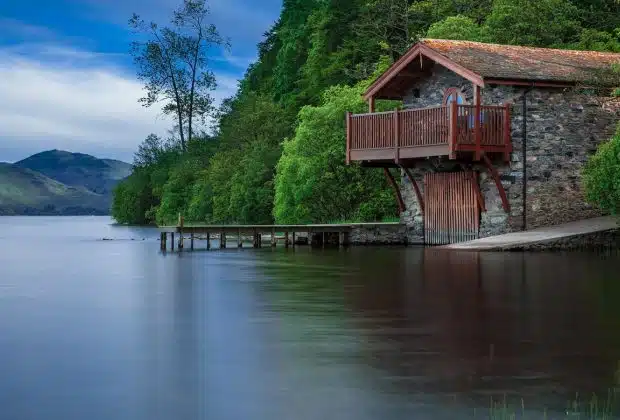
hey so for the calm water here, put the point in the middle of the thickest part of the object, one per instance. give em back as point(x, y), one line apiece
point(93, 329)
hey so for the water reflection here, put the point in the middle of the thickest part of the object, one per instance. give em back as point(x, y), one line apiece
point(121, 331)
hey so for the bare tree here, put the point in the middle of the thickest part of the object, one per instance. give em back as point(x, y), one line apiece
point(173, 63)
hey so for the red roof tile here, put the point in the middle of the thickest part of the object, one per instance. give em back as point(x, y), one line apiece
point(494, 61)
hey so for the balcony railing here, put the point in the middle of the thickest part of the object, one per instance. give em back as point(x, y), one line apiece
point(415, 133)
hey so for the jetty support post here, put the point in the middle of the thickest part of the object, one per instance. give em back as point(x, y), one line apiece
point(293, 241)
point(208, 241)
point(286, 242)
point(222, 240)
point(274, 240)
point(191, 241)
point(172, 241)
point(344, 239)
point(162, 238)
point(239, 241)
point(181, 223)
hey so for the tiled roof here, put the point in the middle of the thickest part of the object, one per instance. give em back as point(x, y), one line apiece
point(494, 61)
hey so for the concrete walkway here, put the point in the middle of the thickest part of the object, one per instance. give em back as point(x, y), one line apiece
point(537, 236)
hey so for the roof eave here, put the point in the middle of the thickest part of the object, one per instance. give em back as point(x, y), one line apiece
point(409, 56)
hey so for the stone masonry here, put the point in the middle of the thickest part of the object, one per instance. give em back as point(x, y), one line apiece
point(564, 127)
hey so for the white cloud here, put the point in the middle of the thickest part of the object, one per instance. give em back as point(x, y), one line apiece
point(78, 103)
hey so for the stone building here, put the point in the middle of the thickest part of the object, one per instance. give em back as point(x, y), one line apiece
point(490, 138)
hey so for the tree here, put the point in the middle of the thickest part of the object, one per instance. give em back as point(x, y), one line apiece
point(456, 27)
point(601, 176)
point(541, 23)
point(312, 182)
point(173, 64)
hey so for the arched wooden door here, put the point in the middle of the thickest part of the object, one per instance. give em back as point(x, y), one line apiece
point(452, 213)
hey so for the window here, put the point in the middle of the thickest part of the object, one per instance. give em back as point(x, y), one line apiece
point(452, 95)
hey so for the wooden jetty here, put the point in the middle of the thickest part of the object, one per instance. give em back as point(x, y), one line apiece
point(290, 235)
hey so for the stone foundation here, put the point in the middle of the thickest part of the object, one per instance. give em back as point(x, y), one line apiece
point(379, 235)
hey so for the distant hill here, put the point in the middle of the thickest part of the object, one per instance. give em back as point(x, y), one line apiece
point(78, 170)
point(59, 182)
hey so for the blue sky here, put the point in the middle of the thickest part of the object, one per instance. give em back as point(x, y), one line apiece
point(67, 81)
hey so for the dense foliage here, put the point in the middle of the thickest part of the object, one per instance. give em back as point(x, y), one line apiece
point(278, 150)
point(601, 176)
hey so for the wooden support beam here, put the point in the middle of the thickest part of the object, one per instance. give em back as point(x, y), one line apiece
point(349, 137)
point(453, 130)
point(371, 104)
point(208, 241)
point(274, 240)
point(397, 193)
point(498, 182)
point(477, 128)
point(162, 237)
point(222, 240)
point(172, 241)
point(239, 241)
point(286, 242)
point(294, 239)
point(396, 136)
point(191, 243)
point(416, 188)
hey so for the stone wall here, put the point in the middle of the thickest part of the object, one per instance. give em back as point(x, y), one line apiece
point(564, 127)
point(379, 235)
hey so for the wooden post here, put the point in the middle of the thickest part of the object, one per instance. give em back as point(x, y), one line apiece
point(294, 239)
point(286, 243)
point(323, 240)
point(477, 129)
point(274, 241)
point(222, 240)
point(340, 239)
point(371, 105)
point(239, 242)
point(348, 161)
point(180, 224)
point(172, 241)
point(191, 244)
point(396, 136)
point(346, 239)
point(454, 114)
point(162, 238)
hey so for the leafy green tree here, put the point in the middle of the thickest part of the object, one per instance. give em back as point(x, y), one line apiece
point(173, 64)
point(456, 27)
point(312, 182)
point(542, 23)
point(601, 176)
point(133, 199)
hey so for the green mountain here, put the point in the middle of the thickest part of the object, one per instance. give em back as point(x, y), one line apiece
point(59, 182)
point(78, 170)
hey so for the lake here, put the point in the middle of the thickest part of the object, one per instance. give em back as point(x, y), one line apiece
point(94, 329)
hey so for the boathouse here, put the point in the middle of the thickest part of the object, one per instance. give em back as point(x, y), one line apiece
point(490, 138)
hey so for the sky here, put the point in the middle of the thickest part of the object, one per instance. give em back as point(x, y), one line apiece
point(67, 80)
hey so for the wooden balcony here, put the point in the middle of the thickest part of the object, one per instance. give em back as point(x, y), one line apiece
point(463, 131)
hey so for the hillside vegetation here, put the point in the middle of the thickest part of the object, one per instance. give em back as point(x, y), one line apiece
point(59, 183)
point(278, 151)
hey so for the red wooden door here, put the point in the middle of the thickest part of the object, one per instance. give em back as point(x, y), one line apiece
point(452, 213)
